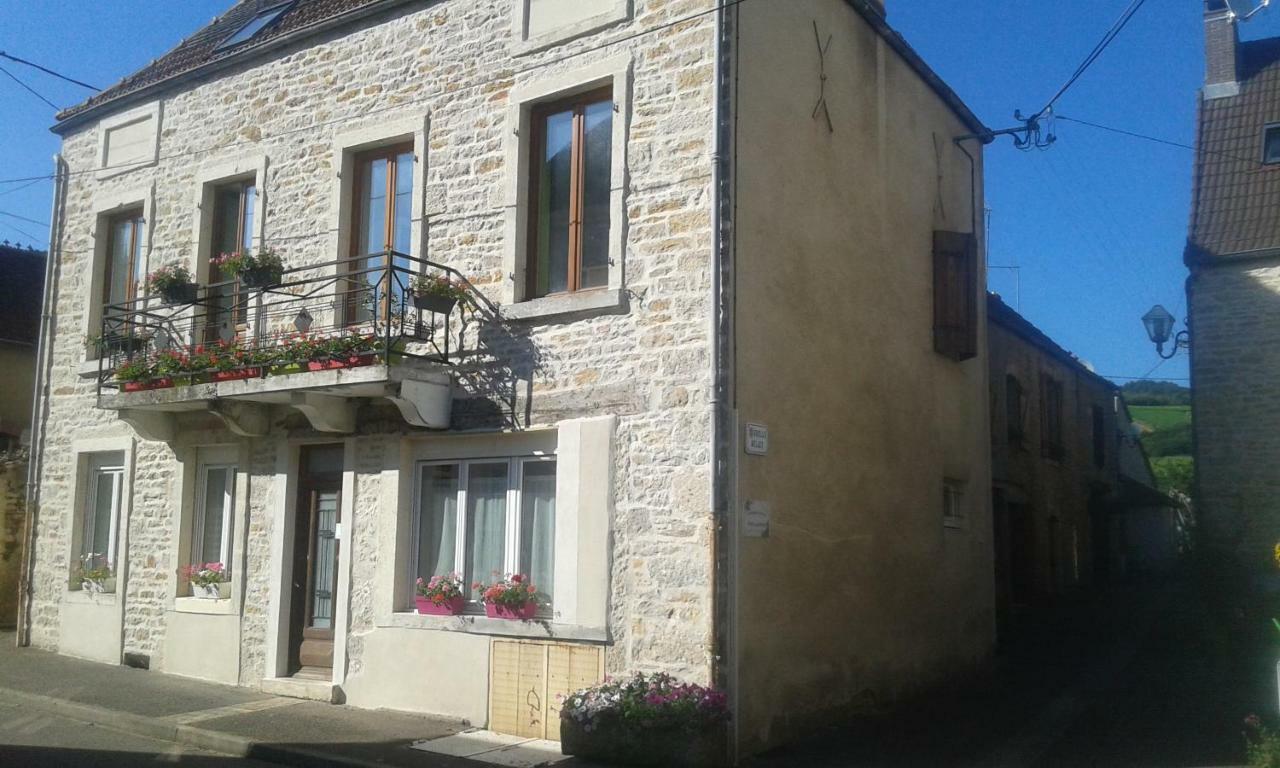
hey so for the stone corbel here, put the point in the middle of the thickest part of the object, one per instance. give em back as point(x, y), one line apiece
point(424, 403)
point(150, 425)
point(244, 419)
point(327, 413)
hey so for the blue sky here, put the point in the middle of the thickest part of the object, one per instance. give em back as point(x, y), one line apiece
point(1096, 224)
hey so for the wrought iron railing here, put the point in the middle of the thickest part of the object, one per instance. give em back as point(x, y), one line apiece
point(362, 306)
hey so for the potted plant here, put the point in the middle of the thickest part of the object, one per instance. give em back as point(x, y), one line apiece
point(230, 362)
point(440, 595)
point(96, 575)
point(651, 720)
point(510, 598)
point(437, 293)
point(262, 270)
point(138, 374)
point(173, 283)
point(208, 580)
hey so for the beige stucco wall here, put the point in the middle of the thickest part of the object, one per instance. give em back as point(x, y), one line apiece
point(13, 516)
point(1235, 357)
point(447, 68)
point(859, 593)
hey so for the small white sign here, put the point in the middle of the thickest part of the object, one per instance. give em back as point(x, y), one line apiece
point(757, 439)
point(755, 519)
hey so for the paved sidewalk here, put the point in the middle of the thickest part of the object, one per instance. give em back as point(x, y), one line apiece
point(217, 718)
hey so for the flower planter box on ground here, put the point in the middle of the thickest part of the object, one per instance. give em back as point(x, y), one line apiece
point(140, 386)
point(261, 278)
point(179, 294)
point(522, 613)
point(619, 744)
point(219, 591)
point(355, 361)
point(442, 305)
point(243, 373)
point(447, 608)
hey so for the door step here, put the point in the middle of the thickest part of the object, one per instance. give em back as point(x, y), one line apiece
point(297, 687)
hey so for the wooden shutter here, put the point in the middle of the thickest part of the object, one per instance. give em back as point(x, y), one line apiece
point(955, 294)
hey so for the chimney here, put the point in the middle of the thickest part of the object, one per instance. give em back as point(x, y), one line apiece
point(1221, 50)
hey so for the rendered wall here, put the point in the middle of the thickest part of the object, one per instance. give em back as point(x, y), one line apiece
point(13, 515)
point(859, 595)
point(17, 382)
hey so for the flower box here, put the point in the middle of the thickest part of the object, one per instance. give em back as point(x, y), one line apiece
point(218, 591)
point(139, 386)
point(442, 305)
point(355, 361)
point(615, 742)
point(500, 611)
point(179, 294)
point(99, 586)
point(285, 370)
point(241, 373)
point(447, 608)
point(261, 277)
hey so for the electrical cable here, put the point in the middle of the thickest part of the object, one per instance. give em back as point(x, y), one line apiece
point(21, 231)
point(1156, 140)
point(425, 100)
point(23, 218)
point(48, 71)
point(33, 91)
point(22, 187)
point(1093, 56)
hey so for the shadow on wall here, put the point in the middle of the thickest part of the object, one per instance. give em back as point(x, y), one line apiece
point(495, 380)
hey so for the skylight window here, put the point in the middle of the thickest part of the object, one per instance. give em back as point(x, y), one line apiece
point(255, 25)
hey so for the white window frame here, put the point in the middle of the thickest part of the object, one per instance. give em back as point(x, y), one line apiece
point(89, 521)
point(514, 510)
point(228, 512)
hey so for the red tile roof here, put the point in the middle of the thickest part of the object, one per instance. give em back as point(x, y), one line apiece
point(197, 51)
point(1236, 204)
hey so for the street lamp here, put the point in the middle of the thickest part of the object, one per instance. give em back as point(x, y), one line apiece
point(1159, 323)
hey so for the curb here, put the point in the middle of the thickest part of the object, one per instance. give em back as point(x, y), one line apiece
point(183, 735)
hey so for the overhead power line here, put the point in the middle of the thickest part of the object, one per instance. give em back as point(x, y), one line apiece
point(1093, 56)
point(48, 71)
point(23, 218)
point(33, 91)
point(1158, 140)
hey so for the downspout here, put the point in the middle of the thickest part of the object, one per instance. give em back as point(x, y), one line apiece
point(39, 408)
point(724, 665)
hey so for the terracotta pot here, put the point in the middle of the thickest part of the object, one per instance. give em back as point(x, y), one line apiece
point(499, 611)
point(450, 608)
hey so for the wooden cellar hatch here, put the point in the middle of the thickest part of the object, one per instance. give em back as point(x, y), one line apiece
point(528, 679)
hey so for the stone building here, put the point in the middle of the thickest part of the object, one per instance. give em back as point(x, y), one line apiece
point(1233, 292)
point(722, 403)
point(1073, 496)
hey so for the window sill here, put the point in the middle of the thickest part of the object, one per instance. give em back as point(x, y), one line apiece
point(607, 301)
point(219, 607)
point(483, 625)
point(81, 597)
point(88, 369)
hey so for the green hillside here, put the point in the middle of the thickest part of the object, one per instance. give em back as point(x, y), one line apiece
point(1165, 426)
point(1161, 416)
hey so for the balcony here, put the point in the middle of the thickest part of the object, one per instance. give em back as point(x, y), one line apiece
point(319, 339)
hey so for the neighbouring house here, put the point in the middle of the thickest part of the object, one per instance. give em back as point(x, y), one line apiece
point(1233, 292)
point(21, 285)
point(1073, 497)
point(715, 381)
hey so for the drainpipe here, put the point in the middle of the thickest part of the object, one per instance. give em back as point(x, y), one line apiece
point(724, 672)
point(39, 408)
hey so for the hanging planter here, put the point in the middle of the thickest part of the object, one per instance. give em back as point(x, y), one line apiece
point(179, 294)
point(437, 294)
point(261, 277)
point(264, 269)
point(173, 284)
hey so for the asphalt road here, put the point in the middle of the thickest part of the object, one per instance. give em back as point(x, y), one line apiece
point(40, 740)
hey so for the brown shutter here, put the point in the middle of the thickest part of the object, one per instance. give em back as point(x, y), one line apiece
point(955, 294)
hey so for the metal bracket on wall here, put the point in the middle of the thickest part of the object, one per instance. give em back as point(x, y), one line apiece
point(821, 106)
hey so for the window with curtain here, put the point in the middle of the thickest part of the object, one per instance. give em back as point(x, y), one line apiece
point(382, 217)
point(486, 518)
point(211, 528)
point(233, 209)
point(124, 272)
point(104, 488)
point(569, 190)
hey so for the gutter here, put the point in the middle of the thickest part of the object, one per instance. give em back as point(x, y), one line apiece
point(245, 55)
point(39, 407)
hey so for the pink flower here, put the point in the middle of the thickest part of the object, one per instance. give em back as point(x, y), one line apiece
point(517, 578)
point(215, 567)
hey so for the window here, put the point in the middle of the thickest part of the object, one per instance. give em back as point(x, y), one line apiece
point(1051, 445)
point(1099, 437)
point(382, 217)
point(955, 295)
point(233, 206)
point(487, 516)
point(1271, 144)
point(255, 25)
point(1015, 410)
point(104, 488)
point(125, 271)
point(569, 195)
point(215, 494)
point(952, 504)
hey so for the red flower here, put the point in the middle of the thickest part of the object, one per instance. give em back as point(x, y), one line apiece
point(517, 578)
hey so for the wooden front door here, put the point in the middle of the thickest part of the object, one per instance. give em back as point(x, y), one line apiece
point(315, 561)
